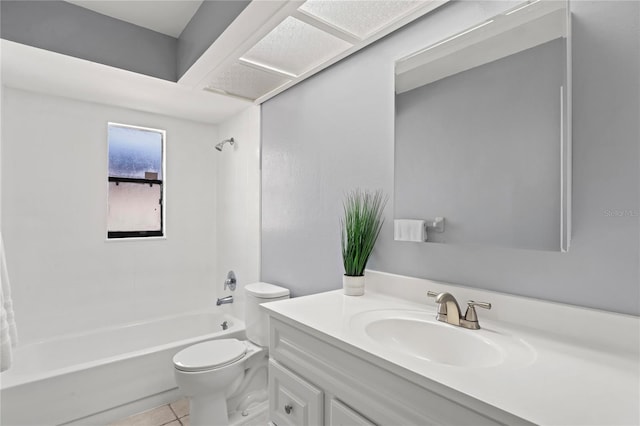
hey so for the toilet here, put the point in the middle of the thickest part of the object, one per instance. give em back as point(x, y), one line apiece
point(220, 374)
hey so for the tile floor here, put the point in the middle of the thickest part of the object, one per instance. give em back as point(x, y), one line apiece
point(177, 414)
point(174, 414)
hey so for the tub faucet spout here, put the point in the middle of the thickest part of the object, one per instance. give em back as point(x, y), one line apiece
point(224, 300)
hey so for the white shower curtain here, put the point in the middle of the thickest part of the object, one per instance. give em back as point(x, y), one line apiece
point(8, 331)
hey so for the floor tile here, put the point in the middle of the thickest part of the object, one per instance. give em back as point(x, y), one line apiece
point(180, 407)
point(185, 421)
point(174, 423)
point(156, 417)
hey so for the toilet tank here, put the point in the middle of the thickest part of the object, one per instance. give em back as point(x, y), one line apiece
point(256, 320)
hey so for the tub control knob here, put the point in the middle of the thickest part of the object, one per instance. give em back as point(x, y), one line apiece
point(288, 408)
point(231, 281)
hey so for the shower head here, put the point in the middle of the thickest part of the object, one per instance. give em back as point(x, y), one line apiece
point(221, 144)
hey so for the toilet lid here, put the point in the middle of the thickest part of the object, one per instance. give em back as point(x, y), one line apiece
point(208, 355)
point(265, 290)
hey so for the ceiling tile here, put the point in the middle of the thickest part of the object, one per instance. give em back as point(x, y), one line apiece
point(361, 18)
point(295, 47)
point(246, 82)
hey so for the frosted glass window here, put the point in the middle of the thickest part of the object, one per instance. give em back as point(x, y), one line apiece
point(134, 152)
point(134, 207)
point(136, 182)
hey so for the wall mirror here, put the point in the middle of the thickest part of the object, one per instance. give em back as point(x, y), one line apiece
point(482, 131)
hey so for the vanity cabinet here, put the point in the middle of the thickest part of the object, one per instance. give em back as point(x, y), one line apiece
point(292, 400)
point(316, 380)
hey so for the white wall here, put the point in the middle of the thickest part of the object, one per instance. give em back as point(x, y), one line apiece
point(65, 276)
point(239, 205)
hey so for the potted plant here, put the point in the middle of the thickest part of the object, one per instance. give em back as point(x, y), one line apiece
point(361, 226)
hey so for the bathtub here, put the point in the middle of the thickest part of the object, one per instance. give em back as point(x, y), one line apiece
point(92, 378)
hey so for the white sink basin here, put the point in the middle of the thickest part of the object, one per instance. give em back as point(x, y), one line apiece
point(418, 335)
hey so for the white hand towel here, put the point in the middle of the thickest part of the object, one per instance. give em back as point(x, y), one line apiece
point(409, 230)
point(8, 330)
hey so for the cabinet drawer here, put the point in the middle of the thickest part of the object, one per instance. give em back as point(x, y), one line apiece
point(292, 400)
point(341, 415)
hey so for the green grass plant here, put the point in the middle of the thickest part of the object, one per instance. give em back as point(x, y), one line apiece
point(361, 226)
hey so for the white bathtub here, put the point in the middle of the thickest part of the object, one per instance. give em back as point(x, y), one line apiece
point(79, 376)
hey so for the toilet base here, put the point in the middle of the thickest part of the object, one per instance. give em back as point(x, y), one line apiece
point(238, 387)
point(257, 415)
point(208, 410)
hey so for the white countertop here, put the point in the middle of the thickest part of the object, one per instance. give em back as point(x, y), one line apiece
point(565, 382)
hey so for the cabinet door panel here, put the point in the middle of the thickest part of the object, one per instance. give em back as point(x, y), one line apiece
point(341, 415)
point(292, 400)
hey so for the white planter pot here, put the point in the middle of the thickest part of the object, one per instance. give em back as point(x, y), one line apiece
point(353, 286)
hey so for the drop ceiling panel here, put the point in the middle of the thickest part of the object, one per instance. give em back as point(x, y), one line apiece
point(294, 47)
point(294, 40)
point(246, 82)
point(361, 18)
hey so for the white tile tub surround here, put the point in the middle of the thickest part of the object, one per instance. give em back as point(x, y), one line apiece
point(66, 277)
point(107, 374)
point(587, 362)
point(238, 205)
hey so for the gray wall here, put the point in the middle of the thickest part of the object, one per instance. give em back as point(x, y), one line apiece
point(211, 19)
point(334, 132)
point(481, 149)
point(72, 30)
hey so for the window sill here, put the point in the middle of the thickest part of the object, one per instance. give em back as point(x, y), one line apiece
point(118, 240)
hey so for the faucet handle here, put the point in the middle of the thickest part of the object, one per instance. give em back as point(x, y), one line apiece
point(432, 294)
point(230, 282)
point(471, 315)
point(485, 305)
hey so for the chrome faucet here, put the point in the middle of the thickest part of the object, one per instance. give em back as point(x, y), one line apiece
point(229, 283)
point(449, 311)
point(448, 308)
point(224, 300)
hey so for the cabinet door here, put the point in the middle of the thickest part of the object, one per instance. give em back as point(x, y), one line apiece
point(292, 400)
point(341, 415)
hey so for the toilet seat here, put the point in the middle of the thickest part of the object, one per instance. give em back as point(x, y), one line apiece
point(209, 355)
